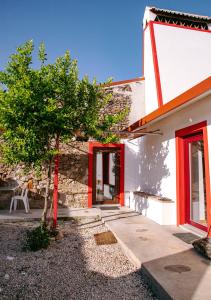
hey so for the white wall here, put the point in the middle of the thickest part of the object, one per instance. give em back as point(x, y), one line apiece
point(184, 58)
point(137, 109)
point(151, 102)
point(150, 161)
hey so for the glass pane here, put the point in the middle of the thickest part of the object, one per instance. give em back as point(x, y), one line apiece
point(197, 183)
point(99, 177)
point(107, 176)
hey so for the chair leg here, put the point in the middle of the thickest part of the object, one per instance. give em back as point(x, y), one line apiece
point(15, 204)
point(11, 204)
point(27, 201)
point(25, 205)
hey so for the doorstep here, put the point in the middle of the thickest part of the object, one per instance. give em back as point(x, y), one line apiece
point(170, 266)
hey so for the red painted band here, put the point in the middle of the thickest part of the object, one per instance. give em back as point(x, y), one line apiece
point(156, 66)
point(56, 185)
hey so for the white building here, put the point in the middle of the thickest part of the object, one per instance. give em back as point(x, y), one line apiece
point(164, 172)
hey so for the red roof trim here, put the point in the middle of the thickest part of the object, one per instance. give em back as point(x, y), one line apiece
point(124, 81)
point(180, 26)
point(187, 96)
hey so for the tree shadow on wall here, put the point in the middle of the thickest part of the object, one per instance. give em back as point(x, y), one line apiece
point(148, 167)
point(153, 168)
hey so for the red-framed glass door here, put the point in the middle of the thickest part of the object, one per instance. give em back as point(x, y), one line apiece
point(195, 181)
point(106, 183)
point(106, 176)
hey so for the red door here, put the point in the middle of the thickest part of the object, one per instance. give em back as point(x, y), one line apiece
point(195, 182)
point(106, 174)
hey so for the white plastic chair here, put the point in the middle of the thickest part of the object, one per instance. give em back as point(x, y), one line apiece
point(23, 197)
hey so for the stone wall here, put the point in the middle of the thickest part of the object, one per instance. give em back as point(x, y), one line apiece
point(73, 179)
point(73, 165)
point(121, 99)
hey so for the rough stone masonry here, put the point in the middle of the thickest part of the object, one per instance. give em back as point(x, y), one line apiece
point(73, 165)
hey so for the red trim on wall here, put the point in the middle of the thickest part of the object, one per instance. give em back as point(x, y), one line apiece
point(93, 145)
point(56, 184)
point(122, 174)
point(181, 163)
point(180, 100)
point(156, 66)
point(180, 26)
point(207, 177)
point(180, 178)
point(143, 53)
point(90, 174)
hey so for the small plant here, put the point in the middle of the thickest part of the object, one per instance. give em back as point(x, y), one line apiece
point(36, 239)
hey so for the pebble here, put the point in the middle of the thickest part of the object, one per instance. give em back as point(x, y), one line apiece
point(76, 268)
point(7, 276)
point(9, 257)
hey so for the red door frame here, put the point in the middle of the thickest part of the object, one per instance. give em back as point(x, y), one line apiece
point(92, 146)
point(194, 138)
point(181, 174)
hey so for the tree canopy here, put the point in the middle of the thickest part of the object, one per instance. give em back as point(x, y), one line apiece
point(41, 105)
point(38, 104)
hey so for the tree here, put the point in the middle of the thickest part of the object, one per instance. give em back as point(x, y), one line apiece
point(41, 106)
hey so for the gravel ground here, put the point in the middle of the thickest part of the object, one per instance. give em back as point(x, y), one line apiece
point(72, 268)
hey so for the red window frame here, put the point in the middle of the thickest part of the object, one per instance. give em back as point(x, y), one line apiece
point(187, 141)
point(182, 177)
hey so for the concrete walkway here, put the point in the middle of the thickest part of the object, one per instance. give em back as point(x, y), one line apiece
point(169, 264)
point(64, 213)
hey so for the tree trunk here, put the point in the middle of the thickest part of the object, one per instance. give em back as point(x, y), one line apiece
point(47, 194)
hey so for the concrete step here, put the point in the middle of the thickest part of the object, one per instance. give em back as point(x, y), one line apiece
point(170, 266)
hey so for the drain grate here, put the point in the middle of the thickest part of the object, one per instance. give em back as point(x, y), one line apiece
point(109, 208)
point(105, 238)
point(186, 237)
point(177, 268)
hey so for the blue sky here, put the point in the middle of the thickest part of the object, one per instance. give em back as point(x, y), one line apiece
point(105, 36)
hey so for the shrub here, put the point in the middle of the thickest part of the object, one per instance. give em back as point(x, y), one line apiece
point(37, 239)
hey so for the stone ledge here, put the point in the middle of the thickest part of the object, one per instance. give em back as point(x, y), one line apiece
point(153, 197)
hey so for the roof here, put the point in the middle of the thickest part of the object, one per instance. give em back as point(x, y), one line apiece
point(188, 96)
point(124, 81)
point(178, 14)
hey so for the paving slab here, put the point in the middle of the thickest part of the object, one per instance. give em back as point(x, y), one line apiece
point(171, 266)
point(35, 214)
point(95, 212)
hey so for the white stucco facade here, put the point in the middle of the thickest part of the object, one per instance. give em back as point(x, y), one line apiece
point(183, 58)
point(175, 94)
point(137, 96)
point(150, 162)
